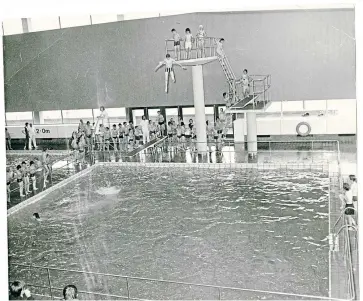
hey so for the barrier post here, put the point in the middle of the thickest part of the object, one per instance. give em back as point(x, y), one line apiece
point(127, 287)
point(50, 285)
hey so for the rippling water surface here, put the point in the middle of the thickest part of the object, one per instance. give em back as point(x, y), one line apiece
point(255, 229)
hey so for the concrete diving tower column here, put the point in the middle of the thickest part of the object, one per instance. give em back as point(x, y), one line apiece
point(199, 105)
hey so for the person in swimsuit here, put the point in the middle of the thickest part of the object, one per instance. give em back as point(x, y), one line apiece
point(74, 145)
point(88, 133)
point(114, 136)
point(81, 126)
point(177, 39)
point(121, 135)
point(188, 43)
point(101, 138)
point(19, 179)
point(347, 199)
point(161, 122)
point(32, 172)
point(137, 136)
point(219, 50)
point(131, 138)
point(8, 139)
point(48, 167)
point(182, 130)
point(170, 131)
point(201, 35)
point(354, 189)
point(178, 133)
point(222, 115)
point(25, 171)
point(169, 69)
point(45, 165)
point(9, 178)
point(81, 148)
point(227, 99)
point(107, 139)
point(245, 83)
point(152, 129)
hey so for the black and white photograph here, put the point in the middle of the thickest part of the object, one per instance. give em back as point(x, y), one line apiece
point(195, 154)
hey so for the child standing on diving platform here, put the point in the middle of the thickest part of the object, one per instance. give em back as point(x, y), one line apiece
point(169, 69)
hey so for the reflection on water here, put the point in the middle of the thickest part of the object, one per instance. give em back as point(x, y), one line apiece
point(260, 230)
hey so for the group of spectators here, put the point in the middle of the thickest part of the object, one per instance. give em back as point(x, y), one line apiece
point(126, 136)
point(19, 291)
point(25, 174)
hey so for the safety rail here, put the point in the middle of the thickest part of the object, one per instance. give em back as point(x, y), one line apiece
point(347, 255)
point(52, 163)
point(130, 294)
point(209, 47)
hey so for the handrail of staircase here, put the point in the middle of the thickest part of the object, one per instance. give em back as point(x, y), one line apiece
point(127, 278)
point(347, 250)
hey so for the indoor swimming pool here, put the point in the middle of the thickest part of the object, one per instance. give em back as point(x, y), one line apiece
point(263, 230)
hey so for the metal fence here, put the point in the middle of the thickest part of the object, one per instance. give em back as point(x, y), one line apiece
point(140, 288)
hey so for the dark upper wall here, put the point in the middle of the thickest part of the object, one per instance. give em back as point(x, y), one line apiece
point(310, 55)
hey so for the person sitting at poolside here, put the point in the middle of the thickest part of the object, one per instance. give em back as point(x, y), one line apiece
point(70, 292)
point(17, 291)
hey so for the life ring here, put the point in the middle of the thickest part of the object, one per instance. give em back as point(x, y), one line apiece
point(303, 133)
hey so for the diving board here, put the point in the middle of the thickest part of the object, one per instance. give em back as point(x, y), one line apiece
point(145, 146)
point(248, 104)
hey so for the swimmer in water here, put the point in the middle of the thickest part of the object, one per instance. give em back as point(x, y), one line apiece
point(32, 172)
point(169, 69)
point(36, 216)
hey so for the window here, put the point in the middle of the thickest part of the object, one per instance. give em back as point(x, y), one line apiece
point(44, 23)
point(12, 26)
point(98, 19)
point(188, 113)
point(73, 21)
point(153, 114)
point(115, 115)
point(209, 114)
point(137, 115)
point(73, 116)
point(48, 117)
point(172, 113)
point(18, 118)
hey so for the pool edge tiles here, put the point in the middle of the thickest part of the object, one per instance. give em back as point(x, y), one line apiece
point(42, 194)
point(311, 167)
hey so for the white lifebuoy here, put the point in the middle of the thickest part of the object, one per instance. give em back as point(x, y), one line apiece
point(303, 124)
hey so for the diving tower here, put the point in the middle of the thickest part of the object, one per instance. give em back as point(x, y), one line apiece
point(242, 107)
point(197, 64)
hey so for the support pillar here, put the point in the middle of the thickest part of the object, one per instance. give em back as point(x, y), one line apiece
point(251, 134)
point(26, 24)
point(38, 117)
point(198, 91)
point(239, 139)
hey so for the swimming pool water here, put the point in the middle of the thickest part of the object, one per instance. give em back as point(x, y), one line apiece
point(253, 229)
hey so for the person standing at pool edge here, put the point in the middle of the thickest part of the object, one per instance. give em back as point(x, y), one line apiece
point(103, 117)
point(145, 130)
